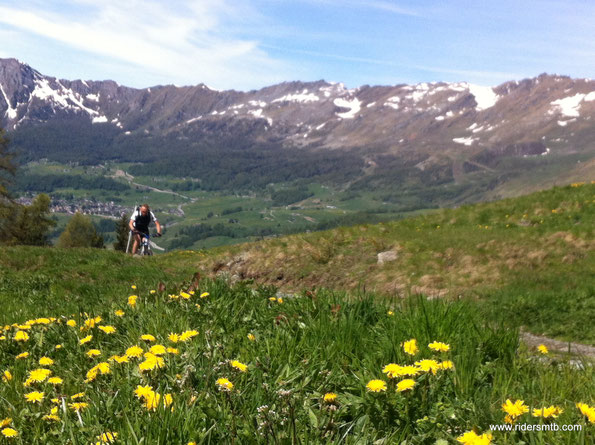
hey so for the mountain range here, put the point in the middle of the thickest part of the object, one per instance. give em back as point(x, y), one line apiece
point(453, 129)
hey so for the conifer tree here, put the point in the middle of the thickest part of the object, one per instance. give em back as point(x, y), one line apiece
point(32, 223)
point(80, 232)
point(7, 170)
point(122, 231)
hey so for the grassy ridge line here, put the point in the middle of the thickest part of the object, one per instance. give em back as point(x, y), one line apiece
point(531, 258)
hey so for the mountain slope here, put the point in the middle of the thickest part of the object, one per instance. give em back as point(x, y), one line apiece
point(438, 134)
point(529, 255)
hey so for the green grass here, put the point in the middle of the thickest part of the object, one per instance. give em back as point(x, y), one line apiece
point(305, 346)
point(531, 255)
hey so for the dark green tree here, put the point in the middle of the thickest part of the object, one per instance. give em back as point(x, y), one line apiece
point(80, 232)
point(122, 231)
point(7, 170)
point(32, 223)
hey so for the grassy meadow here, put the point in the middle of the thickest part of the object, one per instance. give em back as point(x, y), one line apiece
point(307, 339)
point(204, 362)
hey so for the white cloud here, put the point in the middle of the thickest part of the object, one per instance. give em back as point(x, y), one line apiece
point(187, 44)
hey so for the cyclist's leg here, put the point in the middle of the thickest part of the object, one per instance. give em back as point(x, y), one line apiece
point(136, 243)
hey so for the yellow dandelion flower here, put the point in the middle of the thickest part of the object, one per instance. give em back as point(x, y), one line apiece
point(143, 391)
point(390, 313)
point(55, 381)
point(158, 350)
point(39, 375)
point(93, 353)
point(22, 355)
point(405, 385)
point(586, 410)
point(543, 349)
point(152, 291)
point(251, 337)
point(85, 340)
point(272, 298)
point(330, 397)
point(119, 313)
point(224, 384)
point(53, 415)
point(547, 412)
point(392, 370)
point(133, 287)
point(376, 385)
point(103, 367)
point(151, 362)
point(119, 358)
point(107, 438)
point(471, 438)
point(71, 323)
point(78, 406)
point(147, 337)
point(204, 295)
point(78, 395)
point(34, 396)
point(439, 346)
point(185, 295)
point(172, 351)
point(187, 335)
point(132, 300)
point(58, 347)
point(134, 351)
point(410, 347)
point(21, 336)
point(447, 364)
point(5, 422)
point(6, 376)
point(174, 338)
point(280, 300)
point(9, 432)
point(173, 296)
point(107, 329)
point(514, 410)
point(238, 365)
point(428, 365)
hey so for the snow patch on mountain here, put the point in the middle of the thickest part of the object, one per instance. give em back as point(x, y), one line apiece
point(393, 102)
point(99, 120)
point(354, 106)
point(568, 106)
point(11, 113)
point(465, 141)
point(419, 92)
point(484, 96)
point(303, 97)
point(93, 97)
point(65, 97)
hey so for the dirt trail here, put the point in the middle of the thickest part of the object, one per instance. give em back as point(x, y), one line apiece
point(558, 346)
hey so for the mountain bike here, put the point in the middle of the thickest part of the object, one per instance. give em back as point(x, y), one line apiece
point(146, 245)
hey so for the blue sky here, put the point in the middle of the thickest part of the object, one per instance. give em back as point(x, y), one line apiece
point(249, 44)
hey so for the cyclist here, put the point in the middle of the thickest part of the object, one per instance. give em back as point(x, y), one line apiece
point(139, 222)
